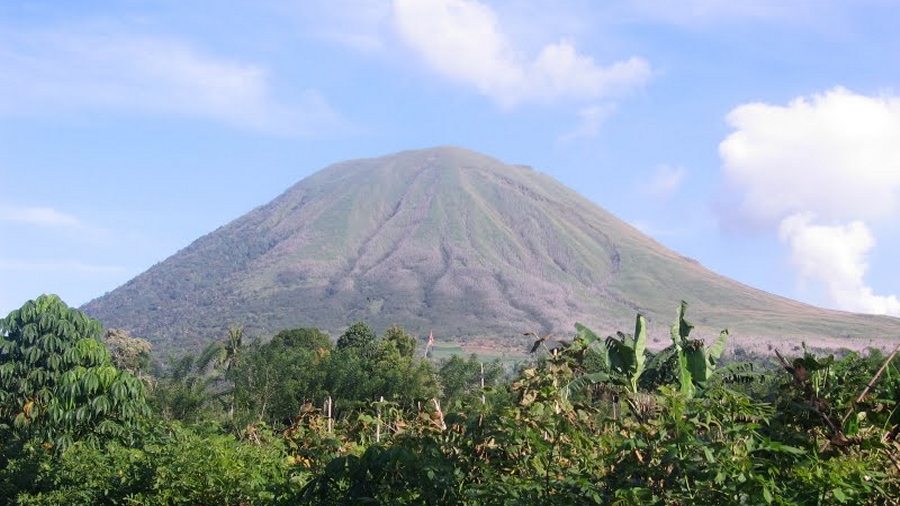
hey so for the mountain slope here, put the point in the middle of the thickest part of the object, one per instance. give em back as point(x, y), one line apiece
point(443, 239)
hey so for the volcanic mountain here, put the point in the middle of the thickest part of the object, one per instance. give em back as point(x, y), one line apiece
point(448, 240)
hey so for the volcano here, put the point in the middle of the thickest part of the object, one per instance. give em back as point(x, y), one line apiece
point(450, 241)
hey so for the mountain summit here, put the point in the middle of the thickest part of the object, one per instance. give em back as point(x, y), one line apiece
point(443, 239)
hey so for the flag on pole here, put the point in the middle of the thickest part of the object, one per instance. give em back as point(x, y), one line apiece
point(430, 343)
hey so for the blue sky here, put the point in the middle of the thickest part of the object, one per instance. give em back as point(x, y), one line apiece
point(761, 137)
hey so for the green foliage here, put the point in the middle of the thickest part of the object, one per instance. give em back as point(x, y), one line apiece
point(128, 353)
point(461, 380)
point(393, 474)
point(626, 353)
point(696, 365)
point(681, 329)
point(620, 362)
point(182, 390)
point(274, 379)
point(397, 338)
point(722, 448)
point(172, 466)
point(308, 338)
point(360, 338)
point(57, 381)
point(818, 431)
point(186, 388)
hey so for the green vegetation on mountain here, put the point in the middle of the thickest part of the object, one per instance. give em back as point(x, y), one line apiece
point(296, 420)
point(448, 240)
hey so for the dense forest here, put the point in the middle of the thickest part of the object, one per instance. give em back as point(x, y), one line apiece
point(91, 417)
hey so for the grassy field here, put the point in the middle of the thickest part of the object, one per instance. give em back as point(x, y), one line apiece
point(509, 358)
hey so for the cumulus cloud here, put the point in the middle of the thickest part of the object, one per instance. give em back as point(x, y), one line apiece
point(836, 256)
point(664, 181)
point(835, 154)
point(463, 40)
point(818, 170)
point(77, 71)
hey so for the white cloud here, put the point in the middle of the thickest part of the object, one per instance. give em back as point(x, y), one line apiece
point(664, 181)
point(836, 256)
point(38, 216)
point(652, 230)
point(832, 158)
point(716, 14)
point(828, 16)
point(463, 40)
point(76, 71)
point(51, 220)
point(60, 266)
point(708, 11)
point(591, 118)
point(357, 24)
point(835, 154)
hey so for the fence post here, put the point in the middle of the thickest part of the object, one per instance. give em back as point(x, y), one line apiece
point(378, 423)
point(482, 384)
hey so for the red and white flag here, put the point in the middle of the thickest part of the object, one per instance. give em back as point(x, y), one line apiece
point(431, 339)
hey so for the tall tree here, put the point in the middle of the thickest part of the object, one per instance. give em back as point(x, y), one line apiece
point(307, 338)
point(359, 337)
point(129, 353)
point(57, 380)
point(397, 337)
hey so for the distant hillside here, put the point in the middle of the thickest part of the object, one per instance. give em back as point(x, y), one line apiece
point(443, 239)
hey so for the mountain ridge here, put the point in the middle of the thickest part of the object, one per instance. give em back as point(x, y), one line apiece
point(447, 239)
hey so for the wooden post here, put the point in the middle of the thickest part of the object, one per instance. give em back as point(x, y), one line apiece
point(328, 414)
point(437, 407)
point(482, 384)
point(378, 423)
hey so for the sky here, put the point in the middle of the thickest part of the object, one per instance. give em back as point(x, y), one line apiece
point(759, 137)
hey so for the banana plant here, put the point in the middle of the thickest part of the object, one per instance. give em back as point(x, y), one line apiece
point(624, 362)
point(623, 356)
point(697, 363)
point(626, 353)
point(681, 330)
point(584, 342)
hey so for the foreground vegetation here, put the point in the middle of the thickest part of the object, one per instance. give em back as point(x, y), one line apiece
point(298, 419)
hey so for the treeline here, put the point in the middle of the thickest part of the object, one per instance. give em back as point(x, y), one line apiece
point(300, 419)
point(237, 383)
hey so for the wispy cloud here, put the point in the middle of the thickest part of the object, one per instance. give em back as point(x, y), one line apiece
point(51, 220)
point(817, 170)
point(708, 11)
point(69, 266)
point(463, 40)
point(828, 19)
point(52, 72)
point(358, 24)
point(39, 217)
point(591, 118)
point(664, 181)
